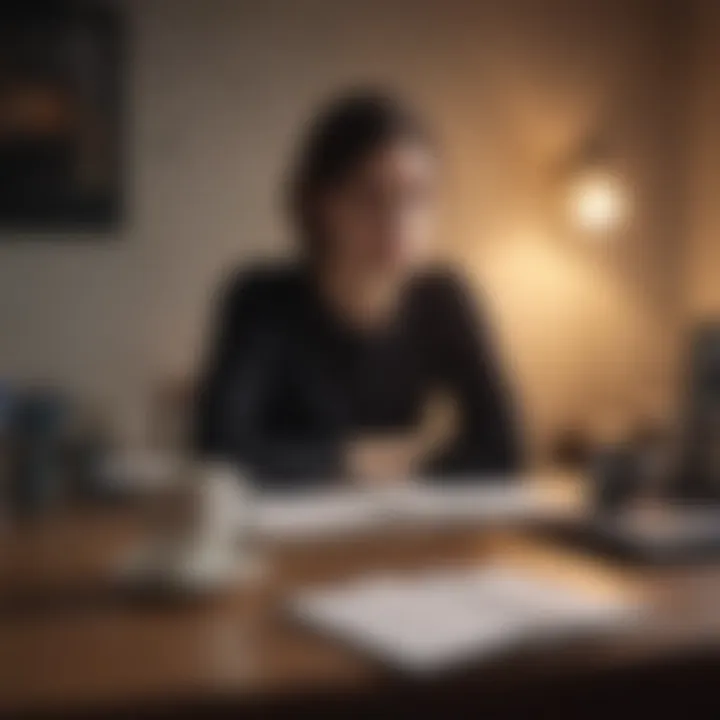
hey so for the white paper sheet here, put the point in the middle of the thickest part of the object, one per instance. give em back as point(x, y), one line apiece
point(447, 502)
point(438, 619)
point(337, 512)
point(314, 514)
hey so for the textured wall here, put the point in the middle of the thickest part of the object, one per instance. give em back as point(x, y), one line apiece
point(702, 279)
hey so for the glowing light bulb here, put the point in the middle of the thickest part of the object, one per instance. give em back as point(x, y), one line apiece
point(597, 201)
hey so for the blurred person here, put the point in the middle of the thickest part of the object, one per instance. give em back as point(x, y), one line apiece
point(360, 360)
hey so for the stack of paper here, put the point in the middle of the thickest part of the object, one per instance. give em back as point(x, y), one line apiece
point(314, 514)
point(452, 503)
point(331, 512)
point(437, 619)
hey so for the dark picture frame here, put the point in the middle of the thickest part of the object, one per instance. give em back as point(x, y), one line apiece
point(60, 116)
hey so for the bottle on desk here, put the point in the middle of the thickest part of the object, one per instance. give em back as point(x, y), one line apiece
point(38, 439)
point(6, 403)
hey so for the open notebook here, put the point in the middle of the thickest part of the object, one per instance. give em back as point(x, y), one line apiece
point(437, 619)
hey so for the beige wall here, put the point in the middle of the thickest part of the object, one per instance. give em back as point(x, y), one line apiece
point(218, 89)
point(702, 277)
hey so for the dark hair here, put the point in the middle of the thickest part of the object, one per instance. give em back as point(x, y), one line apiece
point(349, 130)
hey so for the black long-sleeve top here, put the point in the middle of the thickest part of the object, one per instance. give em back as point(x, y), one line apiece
point(288, 382)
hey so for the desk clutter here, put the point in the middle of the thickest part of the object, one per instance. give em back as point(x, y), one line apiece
point(439, 619)
point(52, 449)
point(203, 534)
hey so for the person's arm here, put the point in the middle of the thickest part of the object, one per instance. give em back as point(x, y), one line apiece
point(488, 437)
point(238, 384)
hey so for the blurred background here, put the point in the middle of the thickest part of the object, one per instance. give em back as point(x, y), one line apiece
point(582, 158)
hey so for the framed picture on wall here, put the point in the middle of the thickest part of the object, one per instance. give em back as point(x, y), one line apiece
point(60, 115)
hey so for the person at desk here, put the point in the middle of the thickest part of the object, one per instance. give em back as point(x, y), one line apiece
point(359, 360)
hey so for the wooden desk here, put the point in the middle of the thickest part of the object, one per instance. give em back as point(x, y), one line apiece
point(70, 644)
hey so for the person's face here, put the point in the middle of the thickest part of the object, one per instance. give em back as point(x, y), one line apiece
point(381, 219)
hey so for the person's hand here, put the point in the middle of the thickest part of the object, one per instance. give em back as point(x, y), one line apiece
point(395, 458)
point(381, 460)
point(439, 425)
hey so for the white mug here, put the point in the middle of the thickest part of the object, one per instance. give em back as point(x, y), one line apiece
point(200, 541)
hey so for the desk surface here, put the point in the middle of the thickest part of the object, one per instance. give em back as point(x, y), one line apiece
point(70, 643)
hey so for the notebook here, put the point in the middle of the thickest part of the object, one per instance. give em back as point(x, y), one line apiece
point(442, 618)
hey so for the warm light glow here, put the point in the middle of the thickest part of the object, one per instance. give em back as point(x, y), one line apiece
point(597, 201)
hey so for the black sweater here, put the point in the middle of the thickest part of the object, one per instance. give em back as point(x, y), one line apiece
point(288, 382)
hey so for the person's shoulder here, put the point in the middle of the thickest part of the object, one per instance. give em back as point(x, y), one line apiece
point(441, 285)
